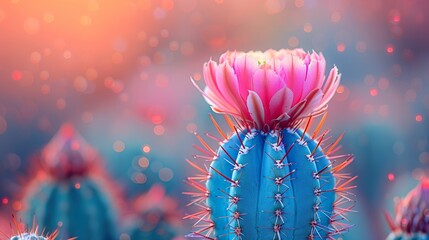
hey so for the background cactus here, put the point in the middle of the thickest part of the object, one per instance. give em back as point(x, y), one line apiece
point(31, 236)
point(411, 221)
point(270, 179)
point(71, 196)
point(156, 216)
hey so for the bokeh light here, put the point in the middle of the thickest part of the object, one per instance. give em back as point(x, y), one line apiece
point(120, 72)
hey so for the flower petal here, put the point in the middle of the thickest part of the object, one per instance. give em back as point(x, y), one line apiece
point(230, 57)
point(281, 102)
point(295, 111)
point(218, 105)
point(315, 71)
point(266, 83)
point(211, 91)
point(222, 105)
point(256, 108)
point(312, 103)
point(209, 72)
point(295, 73)
point(228, 86)
point(330, 87)
point(245, 66)
point(332, 78)
point(322, 67)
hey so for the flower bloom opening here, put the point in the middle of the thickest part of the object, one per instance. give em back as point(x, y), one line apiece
point(271, 89)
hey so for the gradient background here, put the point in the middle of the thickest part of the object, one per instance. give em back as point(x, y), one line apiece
point(119, 71)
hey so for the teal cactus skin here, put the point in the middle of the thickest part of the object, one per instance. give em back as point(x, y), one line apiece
point(276, 185)
point(70, 195)
point(79, 206)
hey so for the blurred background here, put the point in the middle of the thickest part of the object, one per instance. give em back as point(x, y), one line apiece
point(119, 72)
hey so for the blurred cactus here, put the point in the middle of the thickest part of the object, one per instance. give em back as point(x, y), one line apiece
point(270, 179)
point(31, 236)
point(156, 216)
point(411, 220)
point(71, 196)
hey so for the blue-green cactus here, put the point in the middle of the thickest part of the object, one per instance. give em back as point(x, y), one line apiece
point(78, 206)
point(270, 180)
point(71, 196)
point(33, 234)
point(28, 236)
point(417, 236)
point(156, 216)
point(411, 220)
point(276, 185)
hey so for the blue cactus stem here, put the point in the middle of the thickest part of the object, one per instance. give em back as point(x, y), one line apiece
point(219, 188)
point(78, 206)
point(276, 185)
point(327, 184)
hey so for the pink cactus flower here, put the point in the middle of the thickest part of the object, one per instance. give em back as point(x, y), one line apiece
point(271, 89)
point(68, 154)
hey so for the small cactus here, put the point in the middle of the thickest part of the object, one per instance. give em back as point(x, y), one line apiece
point(270, 179)
point(411, 220)
point(156, 216)
point(32, 234)
point(71, 195)
point(29, 236)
